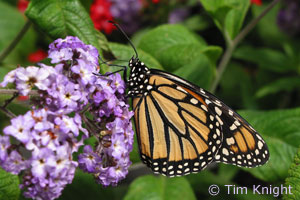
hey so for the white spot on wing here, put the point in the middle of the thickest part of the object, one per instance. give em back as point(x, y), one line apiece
point(232, 127)
point(260, 145)
point(181, 89)
point(194, 101)
point(230, 141)
point(236, 122)
point(225, 152)
point(207, 101)
point(220, 121)
point(204, 107)
point(218, 111)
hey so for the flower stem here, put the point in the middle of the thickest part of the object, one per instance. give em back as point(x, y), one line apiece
point(8, 101)
point(232, 44)
point(14, 43)
point(7, 112)
point(13, 91)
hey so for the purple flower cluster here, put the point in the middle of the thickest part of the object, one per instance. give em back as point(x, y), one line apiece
point(109, 161)
point(43, 151)
point(46, 136)
point(128, 12)
point(288, 18)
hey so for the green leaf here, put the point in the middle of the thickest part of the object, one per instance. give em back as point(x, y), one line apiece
point(11, 22)
point(160, 188)
point(281, 131)
point(283, 84)
point(165, 41)
point(203, 180)
point(124, 53)
point(238, 78)
point(270, 59)
point(293, 180)
point(213, 53)
point(235, 18)
point(137, 36)
point(167, 35)
point(85, 187)
point(197, 23)
point(87, 4)
point(181, 52)
point(62, 18)
point(228, 15)
point(196, 67)
point(227, 172)
point(9, 186)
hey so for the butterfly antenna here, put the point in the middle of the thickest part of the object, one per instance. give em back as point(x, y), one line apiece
point(120, 29)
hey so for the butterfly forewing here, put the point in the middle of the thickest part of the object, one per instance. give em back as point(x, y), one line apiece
point(176, 133)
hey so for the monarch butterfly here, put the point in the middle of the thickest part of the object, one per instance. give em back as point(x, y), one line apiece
point(182, 128)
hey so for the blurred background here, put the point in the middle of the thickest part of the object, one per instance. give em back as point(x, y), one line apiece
point(187, 38)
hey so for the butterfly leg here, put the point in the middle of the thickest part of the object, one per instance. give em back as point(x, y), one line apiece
point(124, 72)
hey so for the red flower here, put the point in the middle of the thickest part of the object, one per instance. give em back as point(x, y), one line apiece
point(22, 5)
point(155, 1)
point(100, 15)
point(257, 2)
point(37, 56)
point(23, 98)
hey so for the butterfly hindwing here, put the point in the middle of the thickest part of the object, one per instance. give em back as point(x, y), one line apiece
point(242, 145)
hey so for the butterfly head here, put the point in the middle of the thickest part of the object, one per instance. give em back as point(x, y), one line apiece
point(138, 78)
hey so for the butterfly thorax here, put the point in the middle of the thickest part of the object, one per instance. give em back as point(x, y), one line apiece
point(138, 78)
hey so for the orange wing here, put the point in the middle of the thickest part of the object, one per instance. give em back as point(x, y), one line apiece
point(176, 132)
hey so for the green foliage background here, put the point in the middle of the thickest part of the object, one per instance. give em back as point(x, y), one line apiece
point(261, 81)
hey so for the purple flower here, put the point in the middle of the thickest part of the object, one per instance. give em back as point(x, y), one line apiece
point(20, 128)
point(4, 144)
point(66, 124)
point(118, 147)
point(43, 161)
point(62, 160)
point(85, 72)
point(128, 12)
point(9, 78)
point(64, 54)
point(89, 160)
point(15, 163)
point(71, 48)
point(41, 120)
point(178, 15)
point(117, 84)
point(69, 95)
point(288, 18)
point(27, 78)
